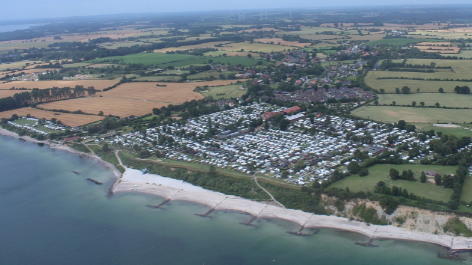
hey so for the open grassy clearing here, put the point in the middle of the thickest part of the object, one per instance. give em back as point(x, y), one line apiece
point(467, 190)
point(15, 65)
point(461, 68)
point(97, 84)
point(414, 115)
point(231, 54)
point(229, 47)
point(146, 58)
point(231, 91)
point(398, 41)
point(459, 131)
point(70, 65)
point(120, 107)
point(116, 45)
point(444, 99)
point(159, 78)
point(244, 61)
point(464, 53)
point(389, 85)
point(207, 74)
point(380, 173)
point(68, 119)
point(280, 41)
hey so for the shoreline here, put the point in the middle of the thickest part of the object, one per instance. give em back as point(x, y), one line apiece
point(172, 189)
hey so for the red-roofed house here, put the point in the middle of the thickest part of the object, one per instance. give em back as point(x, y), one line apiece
point(291, 110)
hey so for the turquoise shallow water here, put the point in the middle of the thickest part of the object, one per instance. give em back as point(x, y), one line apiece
point(49, 215)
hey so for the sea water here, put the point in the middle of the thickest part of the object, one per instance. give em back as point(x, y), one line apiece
point(50, 215)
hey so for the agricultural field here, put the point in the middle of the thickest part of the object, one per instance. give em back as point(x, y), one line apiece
point(9, 93)
point(120, 107)
point(146, 58)
point(389, 85)
point(429, 99)
point(68, 119)
point(136, 98)
point(414, 115)
point(231, 54)
point(230, 47)
point(380, 173)
point(16, 65)
point(219, 92)
point(159, 78)
point(280, 41)
point(207, 74)
point(395, 41)
point(244, 61)
point(97, 84)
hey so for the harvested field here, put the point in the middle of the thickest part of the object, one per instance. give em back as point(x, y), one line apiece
point(172, 93)
point(262, 29)
point(9, 93)
point(68, 119)
point(429, 99)
point(16, 65)
point(282, 42)
point(136, 98)
point(415, 115)
point(115, 106)
point(98, 84)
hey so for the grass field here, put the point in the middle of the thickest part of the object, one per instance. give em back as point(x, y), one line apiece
point(207, 74)
point(467, 190)
point(147, 58)
point(15, 65)
point(231, 91)
point(380, 173)
point(282, 42)
point(97, 84)
point(444, 99)
point(244, 61)
point(459, 132)
point(230, 47)
point(389, 85)
point(414, 115)
point(72, 120)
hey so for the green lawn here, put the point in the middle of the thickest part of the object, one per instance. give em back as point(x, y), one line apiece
point(218, 92)
point(444, 99)
point(380, 173)
point(458, 132)
point(414, 115)
point(467, 190)
point(244, 61)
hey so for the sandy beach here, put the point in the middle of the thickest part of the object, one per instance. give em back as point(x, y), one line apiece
point(135, 181)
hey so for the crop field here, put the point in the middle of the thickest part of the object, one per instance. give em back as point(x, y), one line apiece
point(230, 47)
point(207, 74)
point(160, 78)
point(68, 119)
point(231, 54)
point(136, 98)
point(120, 107)
point(219, 92)
point(395, 41)
point(9, 93)
point(380, 173)
point(429, 99)
point(389, 85)
point(282, 42)
point(97, 84)
point(244, 61)
point(414, 115)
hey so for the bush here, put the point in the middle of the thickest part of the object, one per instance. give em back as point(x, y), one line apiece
point(363, 172)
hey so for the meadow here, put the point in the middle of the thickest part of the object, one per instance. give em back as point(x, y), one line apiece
point(15, 65)
point(458, 131)
point(395, 41)
point(207, 74)
point(146, 58)
point(219, 92)
point(97, 84)
point(68, 119)
point(444, 99)
point(414, 115)
point(380, 172)
point(389, 85)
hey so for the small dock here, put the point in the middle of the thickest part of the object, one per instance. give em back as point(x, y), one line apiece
point(94, 181)
point(368, 244)
point(206, 214)
point(159, 205)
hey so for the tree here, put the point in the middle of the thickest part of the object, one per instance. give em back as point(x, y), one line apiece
point(452, 204)
point(423, 177)
point(437, 179)
point(100, 113)
point(422, 104)
point(144, 154)
point(105, 147)
point(410, 127)
point(363, 172)
point(394, 103)
point(284, 174)
point(249, 55)
point(397, 90)
point(299, 165)
point(376, 102)
point(353, 167)
point(441, 90)
point(401, 125)
point(437, 105)
point(381, 91)
point(405, 90)
point(394, 174)
point(413, 104)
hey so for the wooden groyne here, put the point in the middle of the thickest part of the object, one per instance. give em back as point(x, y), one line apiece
point(368, 244)
point(76, 172)
point(159, 205)
point(94, 181)
point(206, 214)
point(451, 256)
point(249, 223)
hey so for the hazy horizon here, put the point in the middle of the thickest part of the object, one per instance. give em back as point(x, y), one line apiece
point(60, 9)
